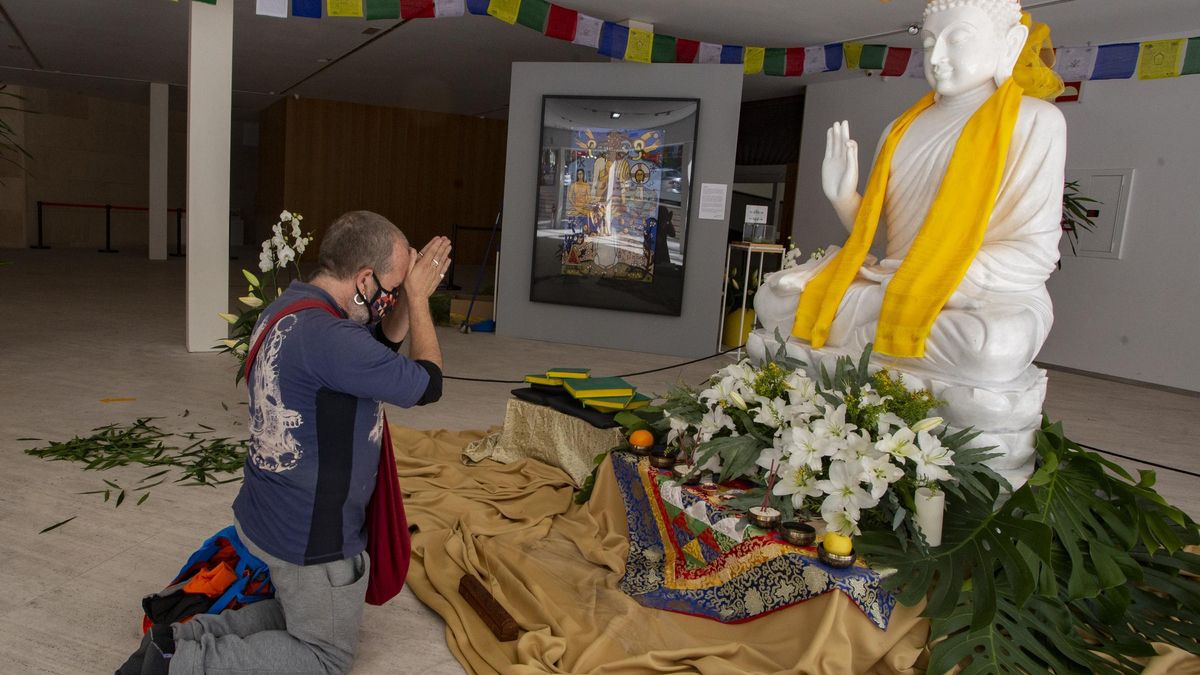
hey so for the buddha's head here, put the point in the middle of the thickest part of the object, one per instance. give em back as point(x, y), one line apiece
point(969, 43)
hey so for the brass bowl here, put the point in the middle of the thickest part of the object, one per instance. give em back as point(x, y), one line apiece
point(662, 461)
point(682, 470)
point(833, 560)
point(767, 521)
point(797, 533)
point(640, 449)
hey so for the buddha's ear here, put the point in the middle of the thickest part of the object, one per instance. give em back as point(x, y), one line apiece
point(1014, 42)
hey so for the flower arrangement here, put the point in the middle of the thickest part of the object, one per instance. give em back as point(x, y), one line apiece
point(280, 256)
point(852, 448)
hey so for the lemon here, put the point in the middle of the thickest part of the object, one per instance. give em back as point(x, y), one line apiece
point(838, 544)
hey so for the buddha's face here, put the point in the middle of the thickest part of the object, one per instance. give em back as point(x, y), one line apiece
point(965, 50)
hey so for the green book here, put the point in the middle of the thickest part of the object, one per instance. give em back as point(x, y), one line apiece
point(599, 387)
point(569, 373)
point(538, 378)
point(615, 403)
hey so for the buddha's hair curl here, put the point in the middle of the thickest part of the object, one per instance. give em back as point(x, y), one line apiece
point(1005, 13)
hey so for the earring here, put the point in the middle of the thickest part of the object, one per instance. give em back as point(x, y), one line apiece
point(359, 299)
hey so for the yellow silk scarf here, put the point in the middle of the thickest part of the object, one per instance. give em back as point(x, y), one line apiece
point(948, 240)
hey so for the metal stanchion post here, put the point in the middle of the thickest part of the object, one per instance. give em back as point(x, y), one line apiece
point(108, 230)
point(40, 244)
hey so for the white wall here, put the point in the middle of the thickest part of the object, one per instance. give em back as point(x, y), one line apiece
point(1138, 317)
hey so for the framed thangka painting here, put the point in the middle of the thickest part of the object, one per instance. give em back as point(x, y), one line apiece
point(613, 191)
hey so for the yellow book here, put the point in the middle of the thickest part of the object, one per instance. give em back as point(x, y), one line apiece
point(538, 378)
point(616, 403)
point(599, 387)
point(568, 373)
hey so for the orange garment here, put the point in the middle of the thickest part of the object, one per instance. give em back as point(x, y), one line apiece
point(212, 582)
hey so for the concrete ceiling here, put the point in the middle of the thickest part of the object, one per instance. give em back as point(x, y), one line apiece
point(113, 47)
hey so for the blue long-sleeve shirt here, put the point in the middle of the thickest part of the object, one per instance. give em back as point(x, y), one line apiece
point(316, 421)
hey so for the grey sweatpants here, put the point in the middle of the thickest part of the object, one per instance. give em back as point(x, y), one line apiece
point(311, 627)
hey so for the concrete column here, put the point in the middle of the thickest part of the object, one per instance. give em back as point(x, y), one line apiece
point(210, 92)
point(158, 171)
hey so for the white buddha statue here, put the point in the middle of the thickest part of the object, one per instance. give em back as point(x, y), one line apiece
point(969, 183)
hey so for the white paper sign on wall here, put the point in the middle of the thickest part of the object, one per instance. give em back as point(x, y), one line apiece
point(756, 215)
point(712, 200)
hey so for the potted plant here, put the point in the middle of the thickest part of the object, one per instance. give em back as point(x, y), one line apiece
point(1075, 213)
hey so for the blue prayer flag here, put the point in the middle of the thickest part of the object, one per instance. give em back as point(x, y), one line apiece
point(477, 6)
point(613, 39)
point(1116, 62)
point(732, 53)
point(307, 8)
point(833, 57)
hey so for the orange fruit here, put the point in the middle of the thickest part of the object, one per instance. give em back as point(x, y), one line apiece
point(641, 438)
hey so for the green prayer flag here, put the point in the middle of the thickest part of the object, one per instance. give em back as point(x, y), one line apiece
point(208, 2)
point(533, 14)
point(775, 62)
point(664, 49)
point(873, 57)
point(383, 9)
point(1191, 62)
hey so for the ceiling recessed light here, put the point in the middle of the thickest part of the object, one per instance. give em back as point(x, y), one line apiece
point(616, 115)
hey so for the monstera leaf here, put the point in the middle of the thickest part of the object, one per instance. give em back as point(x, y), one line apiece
point(977, 544)
point(1035, 638)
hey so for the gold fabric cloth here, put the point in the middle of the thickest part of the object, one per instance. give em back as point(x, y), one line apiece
point(536, 432)
point(555, 566)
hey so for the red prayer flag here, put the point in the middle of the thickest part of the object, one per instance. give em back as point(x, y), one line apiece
point(686, 50)
point(561, 23)
point(794, 61)
point(896, 63)
point(416, 9)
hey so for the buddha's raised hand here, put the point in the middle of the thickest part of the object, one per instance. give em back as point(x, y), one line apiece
point(839, 172)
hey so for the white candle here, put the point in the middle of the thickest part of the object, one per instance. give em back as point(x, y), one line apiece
point(930, 508)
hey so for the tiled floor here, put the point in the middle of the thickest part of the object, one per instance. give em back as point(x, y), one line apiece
point(78, 327)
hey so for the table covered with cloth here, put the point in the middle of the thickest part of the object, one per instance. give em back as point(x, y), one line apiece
point(690, 552)
point(557, 567)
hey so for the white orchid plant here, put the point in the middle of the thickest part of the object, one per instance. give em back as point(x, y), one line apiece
point(280, 256)
point(850, 447)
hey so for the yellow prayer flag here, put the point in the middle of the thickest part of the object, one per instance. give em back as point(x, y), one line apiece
point(1160, 58)
point(853, 51)
point(505, 10)
point(752, 61)
point(344, 8)
point(640, 45)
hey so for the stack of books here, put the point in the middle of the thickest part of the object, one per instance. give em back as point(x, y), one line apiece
point(607, 394)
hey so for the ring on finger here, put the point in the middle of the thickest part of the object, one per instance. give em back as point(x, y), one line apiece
point(436, 262)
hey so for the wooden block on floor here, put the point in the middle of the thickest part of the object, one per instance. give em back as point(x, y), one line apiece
point(501, 623)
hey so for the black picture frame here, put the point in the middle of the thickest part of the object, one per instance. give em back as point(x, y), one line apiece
point(610, 169)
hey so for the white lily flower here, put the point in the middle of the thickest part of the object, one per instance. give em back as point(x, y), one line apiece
point(772, 457)
point(833, 424)
point(899, 445)
point(932, 457)
point(844, 490)
point(842, 522)
point(713, 423)
point(679, 427)
point(229, 318)
point(737, 399)
point(928, 424)
point(856, 447)
point(797, 481)
point(806, 448)
point(232, 344)
point(889, 421)
point(880, 473)
point(713, 464)
point(285, 215)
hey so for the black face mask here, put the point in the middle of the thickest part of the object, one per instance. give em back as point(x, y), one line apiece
point(381, 303)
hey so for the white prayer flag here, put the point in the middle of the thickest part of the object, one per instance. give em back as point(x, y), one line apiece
point(587, 31)
point(709, 53)
point(277, 8)
point(444, 8)
point(916, 65)
point(1075, 63)
point(814, 60)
